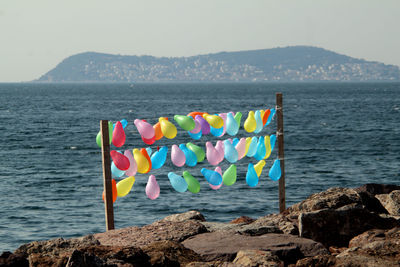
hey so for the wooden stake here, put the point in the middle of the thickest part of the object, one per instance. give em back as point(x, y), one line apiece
point(105, 152)
point(281, 153)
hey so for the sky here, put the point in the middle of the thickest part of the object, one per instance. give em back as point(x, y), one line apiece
point(36, 35)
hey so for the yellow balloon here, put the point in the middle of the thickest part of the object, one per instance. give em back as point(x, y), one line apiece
point(124, 186)
point(262, 113)
point(167, 128)
point(141, 161)
point(259, 167)
point(248, 141)
point(250, 123)
point(214, 120)
point(267, 142)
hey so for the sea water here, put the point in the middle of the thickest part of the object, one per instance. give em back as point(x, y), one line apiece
point(336, 134)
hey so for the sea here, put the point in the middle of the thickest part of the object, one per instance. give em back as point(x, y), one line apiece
point(335, 135)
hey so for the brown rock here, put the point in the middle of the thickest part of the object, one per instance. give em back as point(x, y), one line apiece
point(8, 259)
point(254, 258)
point(242, 220)
point(376, 189)
point(391, 202)
point(283, 222)
point(245, 229)
point(189, 215)
point(211, 264)
point(317, 261)
point(375, 235)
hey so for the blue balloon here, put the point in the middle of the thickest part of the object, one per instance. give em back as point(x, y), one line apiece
point(216, 131)
point(115, 171)
point(253, 147)
point(270, 116)
point(235, 141)
point(212, 177)
point(272, 140)
point(251, 176)
point(232, 126)
point(230, 152)
point(195, 136)
point(149, 151)
point(259, 123)
point(261, 149)
point(275, 171)
point(159, 157)
point(177, 182)
point(191, 158)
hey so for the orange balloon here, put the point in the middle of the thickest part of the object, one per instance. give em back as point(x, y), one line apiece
point(158, 132)
point(144, 152)
point(114, 190)
point(266, 115)
point(194, 113)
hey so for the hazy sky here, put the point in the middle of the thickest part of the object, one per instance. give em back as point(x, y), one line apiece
point(35, 35)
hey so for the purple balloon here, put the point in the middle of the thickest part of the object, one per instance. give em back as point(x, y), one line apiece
point(205, 127)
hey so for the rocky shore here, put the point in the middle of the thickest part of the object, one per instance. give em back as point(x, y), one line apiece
point(336, 227)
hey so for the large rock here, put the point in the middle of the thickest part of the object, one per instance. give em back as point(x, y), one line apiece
point(317, 261)
point(376, 189)
point(391, 202)
point(181, 217)
point(224, 246)
point(254, 258)
point(8, 259)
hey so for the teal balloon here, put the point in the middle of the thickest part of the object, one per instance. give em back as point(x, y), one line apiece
point(259, 123)
point(253, 147)
point(272, 140)
point(124, 123)
point(212, 177)
point(232, 126)
point(191, 158)
point(230, 152)
point(216, 131)
point(261, 149)
point(177, 182)
point(115, 171)
point(195, 136)
point(235, 141)
point(270, 116)
point(275, 171)
point(251, 176)
point(159, 157)
point(149, 151)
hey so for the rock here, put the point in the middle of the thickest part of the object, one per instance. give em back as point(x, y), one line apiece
point(257, 258)
point(180, 217)
point(371, 203)
point(242, 220)
point(222, 246)
point(158, 231)
point(375, 235)
point(280, 221)
point(376, 189)
point(336, 227)
point(391, 202)
point(8, 259)
point(211, 264)
point(317, 261)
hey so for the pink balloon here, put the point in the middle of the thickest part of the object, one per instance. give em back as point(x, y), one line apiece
point(220, 147)
point(212, 154)
point(145, 129)
point(223, 116)
point(149, 141)
point(177, 156)
point(197, 127)
point(152, 188)
point(118, 136)
point(241, 148)
point(216, 187)
point(230, 140)
point(120, 161)
point(131, 171)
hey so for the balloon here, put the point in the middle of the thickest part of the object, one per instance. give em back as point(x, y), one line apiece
point(248, 141)
point(217, 132)
point(124, 186)
point(145, 129)
point(259, 167)
point(157, 131)
point(167, 128)
point(159, 157)
point(231, 153)
point(118, 136)
point(177, 156)
point(177, 182)
point(110, 133)
point(238, 118)
point(267, 143)
point(124, 123)
point(251, 176)
point(273, 140)
point(185, 122)
point(216, 187)
point(196, 113)
point(200, 154)
point(265, 116)
point(191, 159)
point(149, 141)
point(141, 161)
point(195, 136)
point(223, 116)
point(261, 149)
point(114, 190)
point(271, 116)
point(252, 147)
point(275, 171)
point(132, 163)
point(214, 120)
point(144, 152)
point(120, 161)
point(232, 127)
point(213, 156)
point(152, 188)
point(98, 139)
point(115, 171)
point(262, 114)
point(241, 148)
point(221, 150)
point(250, 123)
point(259, 123)
point(205, 126)
point(149, 151)
point(230, 175)
point(235, 141)
point(212, 177)
point(197, 127)
point(193, 184)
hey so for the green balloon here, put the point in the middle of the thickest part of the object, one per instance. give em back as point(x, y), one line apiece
point(229, 177)
point(200, 154)
point(238, 117)
point(185, 122)
point(110, 132)
point(193, 184)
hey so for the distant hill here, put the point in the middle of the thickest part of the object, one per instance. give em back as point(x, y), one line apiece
point(296, 63)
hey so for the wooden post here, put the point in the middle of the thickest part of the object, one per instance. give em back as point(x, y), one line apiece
point(105, 152)
point(281, 153)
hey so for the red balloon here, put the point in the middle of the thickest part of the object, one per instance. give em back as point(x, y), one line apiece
point(120, 160)
point(149, 141)
point(118, 138)
point(266, 115)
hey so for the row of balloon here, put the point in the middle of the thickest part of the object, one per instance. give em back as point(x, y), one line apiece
point(196, 124)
